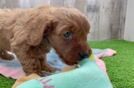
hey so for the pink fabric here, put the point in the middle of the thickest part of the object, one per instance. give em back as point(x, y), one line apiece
point(106, 53)
point(101, 64)
point(13, 73)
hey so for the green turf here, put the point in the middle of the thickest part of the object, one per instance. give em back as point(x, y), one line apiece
point(120, 67)
point(6, 82)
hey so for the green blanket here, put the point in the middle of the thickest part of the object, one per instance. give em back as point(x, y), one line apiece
point(88, 75)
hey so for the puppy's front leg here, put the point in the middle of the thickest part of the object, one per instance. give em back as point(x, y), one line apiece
point(29, 61)
point(45, 66)
point(30, 64)
point(33, 61)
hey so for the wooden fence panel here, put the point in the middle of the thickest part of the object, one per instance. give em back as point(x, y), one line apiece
point(107, 17)
point(69, 3)
point(93, 14)
point(129, 26)
point(57, 2)
point(9, 3)
point(32, 3)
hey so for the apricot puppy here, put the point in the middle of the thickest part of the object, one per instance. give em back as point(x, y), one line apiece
point(31, 33)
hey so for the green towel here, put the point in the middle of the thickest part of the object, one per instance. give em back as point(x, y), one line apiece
point(88, 75)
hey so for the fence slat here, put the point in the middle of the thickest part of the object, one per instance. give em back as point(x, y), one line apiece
point(57, 2)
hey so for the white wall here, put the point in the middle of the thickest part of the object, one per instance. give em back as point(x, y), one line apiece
point(129, 27)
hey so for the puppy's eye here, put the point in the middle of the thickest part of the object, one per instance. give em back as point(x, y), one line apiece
point(68, 35)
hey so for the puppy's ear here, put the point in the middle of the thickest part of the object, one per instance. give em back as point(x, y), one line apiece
point(49, 28)
point(31, 28)
point(40, 29)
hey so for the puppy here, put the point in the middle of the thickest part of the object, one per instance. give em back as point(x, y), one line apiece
point(30, 34)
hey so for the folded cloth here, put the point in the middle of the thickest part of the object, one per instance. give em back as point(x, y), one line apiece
point(25, 78)
point(87, 75)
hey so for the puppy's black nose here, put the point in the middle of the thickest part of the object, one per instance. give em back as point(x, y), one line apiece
point(83, 55)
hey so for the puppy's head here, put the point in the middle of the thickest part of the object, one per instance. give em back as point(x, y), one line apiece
point(69, 35)
point(65, 29)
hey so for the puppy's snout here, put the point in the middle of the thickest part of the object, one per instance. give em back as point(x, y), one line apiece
point(83, 55)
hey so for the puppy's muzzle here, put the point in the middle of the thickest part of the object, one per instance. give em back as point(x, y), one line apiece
point(83, 55)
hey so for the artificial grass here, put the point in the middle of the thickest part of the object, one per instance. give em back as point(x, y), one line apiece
point(6, 82)
point(120, 67)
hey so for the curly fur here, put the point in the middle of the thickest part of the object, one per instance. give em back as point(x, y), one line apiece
point(30, 33)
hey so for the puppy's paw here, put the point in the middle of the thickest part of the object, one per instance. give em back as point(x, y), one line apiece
point(50, 69)
point(45, 73)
